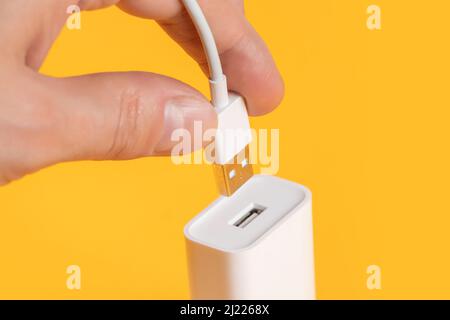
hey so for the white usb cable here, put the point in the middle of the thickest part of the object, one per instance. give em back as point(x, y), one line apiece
point(218, 81)
point(232, 166)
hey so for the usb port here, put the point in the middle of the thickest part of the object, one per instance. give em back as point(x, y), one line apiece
point(247, 216)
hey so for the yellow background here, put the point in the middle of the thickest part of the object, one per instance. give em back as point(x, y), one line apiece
point(365, 125)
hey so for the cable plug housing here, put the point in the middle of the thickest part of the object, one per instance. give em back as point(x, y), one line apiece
point(232, 166)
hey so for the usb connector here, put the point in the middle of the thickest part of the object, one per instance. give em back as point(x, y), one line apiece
point(247, 216)
point(231, 176)
point(232, 165)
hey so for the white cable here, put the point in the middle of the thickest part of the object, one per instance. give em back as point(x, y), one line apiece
point(218, 81)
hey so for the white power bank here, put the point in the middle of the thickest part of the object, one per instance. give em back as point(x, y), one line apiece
point(256, 244)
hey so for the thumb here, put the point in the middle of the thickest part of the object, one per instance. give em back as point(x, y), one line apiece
point(124, 115)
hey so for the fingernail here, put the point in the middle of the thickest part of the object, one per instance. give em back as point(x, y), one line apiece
point(182, 113)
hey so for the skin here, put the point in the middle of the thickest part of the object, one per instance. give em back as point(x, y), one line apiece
point(115, 116)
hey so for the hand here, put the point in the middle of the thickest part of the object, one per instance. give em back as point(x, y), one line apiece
point(46, 120)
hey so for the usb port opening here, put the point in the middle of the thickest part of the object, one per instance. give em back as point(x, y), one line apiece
point(247, 216)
